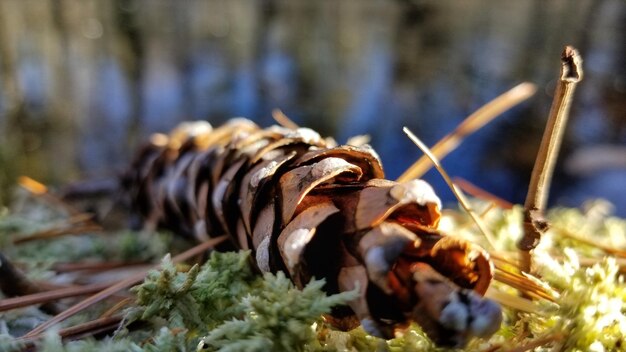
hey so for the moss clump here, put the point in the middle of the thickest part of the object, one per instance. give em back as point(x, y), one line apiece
point(224, 306)
point(591, 310)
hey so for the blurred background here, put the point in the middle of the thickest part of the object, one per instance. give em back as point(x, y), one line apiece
point(83, 82)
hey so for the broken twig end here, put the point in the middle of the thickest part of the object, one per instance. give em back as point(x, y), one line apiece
point(571, 62)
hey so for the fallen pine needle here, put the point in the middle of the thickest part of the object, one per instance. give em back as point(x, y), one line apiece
point(512, 301)
point(471, 124)
point(457, 192)
point(480, 193)
point(47, 296)
point(132, 280)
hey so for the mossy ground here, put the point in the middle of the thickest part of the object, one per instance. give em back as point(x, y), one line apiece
point(224, 305)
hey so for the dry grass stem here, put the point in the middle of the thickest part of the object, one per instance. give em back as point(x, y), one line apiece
point(471, 124)
point(457, 192)
point(132, 280)
point(538, 190)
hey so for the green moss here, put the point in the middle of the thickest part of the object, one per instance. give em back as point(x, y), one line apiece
point(591, 311)
point(236, 309)
point(223, 305)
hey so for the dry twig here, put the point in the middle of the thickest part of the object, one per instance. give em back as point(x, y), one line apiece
point(538, 190)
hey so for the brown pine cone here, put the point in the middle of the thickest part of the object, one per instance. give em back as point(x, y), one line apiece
point(311, 208)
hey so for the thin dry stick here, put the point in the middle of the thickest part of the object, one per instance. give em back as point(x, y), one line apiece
point(471, 124)
point(457, 192)
point(132, 280)
point(534, 207)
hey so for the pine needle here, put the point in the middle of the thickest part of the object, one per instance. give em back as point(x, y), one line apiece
point(132, 280)
point(79, 229)
point(512, 301)
point(92, 266)
point(48, 296)
point(89, 328)
point(529, 286)
point(117, 306)
point(283, 120)
point(457, 192)
point(480, 193)
point(609, 250)
point(471, 124)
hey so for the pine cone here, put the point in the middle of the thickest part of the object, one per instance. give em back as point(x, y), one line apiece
point(311, 208)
